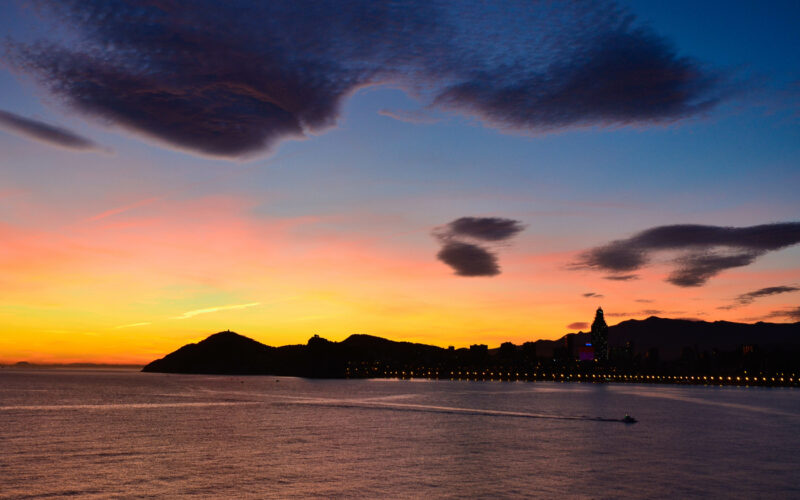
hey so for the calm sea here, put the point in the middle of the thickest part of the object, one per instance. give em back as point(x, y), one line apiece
point(101, 434)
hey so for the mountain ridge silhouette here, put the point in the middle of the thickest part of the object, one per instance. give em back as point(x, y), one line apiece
point(657, 339)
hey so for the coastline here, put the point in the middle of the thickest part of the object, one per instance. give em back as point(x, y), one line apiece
point(683, 380)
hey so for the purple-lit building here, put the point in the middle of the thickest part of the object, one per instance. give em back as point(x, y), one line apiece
point(586, 352)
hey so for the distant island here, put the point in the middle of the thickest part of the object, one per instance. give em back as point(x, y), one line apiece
point(82, 366)
point(650, 350)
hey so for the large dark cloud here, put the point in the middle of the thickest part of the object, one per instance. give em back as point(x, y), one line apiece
point(484, 228)
point(232, 78)
point(703, 251)
point(649, 84)
point(46, 133)
point(472, 257)
point(468, 259)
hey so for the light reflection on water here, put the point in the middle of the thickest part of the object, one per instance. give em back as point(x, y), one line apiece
point(152, 435)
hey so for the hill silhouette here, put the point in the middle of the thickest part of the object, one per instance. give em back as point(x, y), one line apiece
point(221, 353)
point(672, 336)
point(654, 344)
point(230, 353)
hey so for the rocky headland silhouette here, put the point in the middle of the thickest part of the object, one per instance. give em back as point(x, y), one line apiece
point(656, 346)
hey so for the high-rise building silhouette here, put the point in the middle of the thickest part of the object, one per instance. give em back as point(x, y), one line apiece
point(600, 336)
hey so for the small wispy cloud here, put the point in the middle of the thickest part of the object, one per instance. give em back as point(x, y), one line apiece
point(208, 310)
point(46, 133)
point(621, 277)
point(578, 325)
point(792, 314)
point(750, 297)
point(119, 210)
point(131, 325)
point(416, 117)
point(643, 312)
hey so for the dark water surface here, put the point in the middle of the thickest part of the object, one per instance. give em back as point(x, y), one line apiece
point(101, 434)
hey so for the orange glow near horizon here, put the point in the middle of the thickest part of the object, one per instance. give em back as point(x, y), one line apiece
point(138, 283)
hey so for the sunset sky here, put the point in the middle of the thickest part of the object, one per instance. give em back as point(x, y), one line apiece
point(440, 172)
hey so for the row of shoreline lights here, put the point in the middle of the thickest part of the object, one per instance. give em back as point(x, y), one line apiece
point(689, 378)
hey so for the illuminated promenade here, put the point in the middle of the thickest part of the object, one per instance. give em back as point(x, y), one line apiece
point(745, 379)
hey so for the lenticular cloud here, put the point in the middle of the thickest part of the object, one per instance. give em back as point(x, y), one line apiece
point(230, 79)
point(703, 251)
point(464, 243)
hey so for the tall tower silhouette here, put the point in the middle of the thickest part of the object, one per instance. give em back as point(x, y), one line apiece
point(600, 336)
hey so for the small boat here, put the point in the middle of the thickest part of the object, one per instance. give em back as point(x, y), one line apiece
point(628, 419)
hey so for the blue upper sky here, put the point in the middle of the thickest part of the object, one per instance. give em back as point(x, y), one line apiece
point(741, 152)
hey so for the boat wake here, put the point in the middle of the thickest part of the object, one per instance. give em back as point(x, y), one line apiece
point(380, 405)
